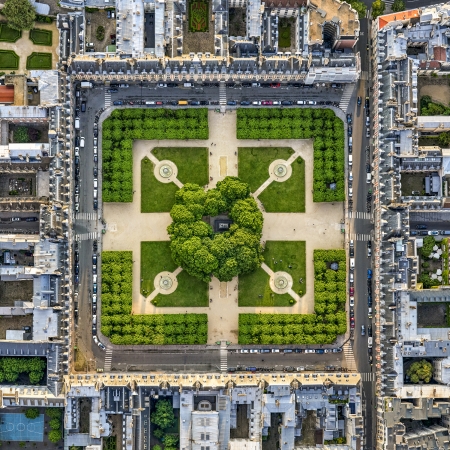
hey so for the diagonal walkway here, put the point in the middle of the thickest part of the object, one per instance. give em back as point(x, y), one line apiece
point(319, 226)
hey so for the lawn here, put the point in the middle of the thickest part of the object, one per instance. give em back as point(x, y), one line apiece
point(156, 258)
point(288, 196)
point(254, 289)
point(41, 37)
point(9, 60)
point(8, 34)
point(155, 196)
point(284, 35)
point(39, 61)
point(192, 164)
point(198, 16)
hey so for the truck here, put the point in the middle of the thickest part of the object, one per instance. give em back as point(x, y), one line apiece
point(86, 85)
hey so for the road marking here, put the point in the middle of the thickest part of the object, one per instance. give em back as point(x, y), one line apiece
point(360, 237)
point(86, 236)
point(369, 377)
point(86, 216)
point(346, 96)
point(349, 356)
point(222, 93)
point(107, 98)
point(108, 360)
point(359, 215)
point(223, 356)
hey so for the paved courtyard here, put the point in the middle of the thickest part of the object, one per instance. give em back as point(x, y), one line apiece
point(319, 226)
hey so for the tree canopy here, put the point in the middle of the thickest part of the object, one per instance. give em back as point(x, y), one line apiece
point(20, 14)
point(378, 7)
point(200, 251)
point(420, 371)
point(163, 416)
point(398, 5)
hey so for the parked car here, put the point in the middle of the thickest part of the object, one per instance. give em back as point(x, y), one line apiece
point(349, 118)
point(337, 350)
point(352, 322)
point(308, 350)
point(352, 302)
point(359, 102)
point(267, 103)
point(286, 103)
point(369, 274)
point(118, 103)
point(254, 350)
point(275, 85)
point(363, 330)
point(101, 346)
point(113, 91)
point(433, 233)
point(321, 351)
point(369, 330)
point(352, 291)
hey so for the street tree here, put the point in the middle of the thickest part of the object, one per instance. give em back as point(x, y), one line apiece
point(20, 14)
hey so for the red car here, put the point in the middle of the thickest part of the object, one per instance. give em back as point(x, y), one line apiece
point(352, 322)
point(352, 291)
point(267, 102)
point(275, 85)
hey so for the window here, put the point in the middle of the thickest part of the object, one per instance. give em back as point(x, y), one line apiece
point(202, 436)
point(207, 437)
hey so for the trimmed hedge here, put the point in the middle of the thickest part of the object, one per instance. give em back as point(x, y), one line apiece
point(39, 61)
point(8, 34)
point(125, 125)
point(123, 328)
point(322, 327)
point(9, 60)
point(319, 124)
point(41, 37)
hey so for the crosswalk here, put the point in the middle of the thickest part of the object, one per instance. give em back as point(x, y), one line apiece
point(359, 215)
point(222, 93)
point(360, 237)
point(368, 376)
point(108, 360)
point(87, 216)
point(86, 236)
point(349, 356)
point(107, 98)
point(346, 96)
point(223, 356)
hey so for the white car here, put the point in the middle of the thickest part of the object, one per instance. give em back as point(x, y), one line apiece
point(351, 277)
point(350, 176)
point(352, 302)
point(350, 192)
point(95, 339)
point(244, 350)
point(77, 151)
point(310, 351)
point(254, 350)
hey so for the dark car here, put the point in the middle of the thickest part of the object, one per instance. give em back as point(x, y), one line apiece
point(31, 219)
point(231, 102)
point(77, 256)
point(246, 84)
point(94, 330)
point(95, 172)
point(230, 85)
point(113, 91)
point(369, 301)
point(204, 102)
point(369, 331)
point(77, 269)
point(95, 205)
point(83, 106)
point(424, 233)
point(77, 141)
point(245, 103)
point(76, 279)
point(275, 85)
point(368, 168)
point(287, 350)
point(95, 159)
point(94, 259)
point(298, 350)
point(349, 118)
point(349, 131)
point(172, 85)
point(194, 103)
point(265, 350)
point(77, 160)
point(94, 288)
point(421, 227)
point(359, 101)
point(367, 104)
point(95, 133)
point(94, 246)
point(352, 322)
point(118, 103)
point(286, 103)
point(320, 351)
point(369, 274)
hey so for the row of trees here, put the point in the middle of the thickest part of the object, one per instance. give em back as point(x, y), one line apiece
point(225, 255)
point(164, 418)
point(123, 328)
point(11, 368)
point(323, 327)
point(55, 415)
point(322, 125)
point(125, 125)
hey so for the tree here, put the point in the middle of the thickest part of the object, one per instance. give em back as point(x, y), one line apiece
point(398, 5)
point(163, 416)
point(20, 14)
point(156, 447)
point(55, 424)
point(170, 440)
point(32, 413)
point(420, 371)
point(54, 413)
point(378, 7)
point(54, 436)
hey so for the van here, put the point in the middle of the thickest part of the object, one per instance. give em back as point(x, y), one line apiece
point(82, 142)
point(77, 123)
point(369, 178)
point(182, 102)
point(350, 160)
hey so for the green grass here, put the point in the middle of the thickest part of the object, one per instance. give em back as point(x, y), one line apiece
point(155, 196)
point(39, 61)
point(285, 253)
point(198, 16)
point(156, 258)
point(192, 164)
point(8, 34)
point(288, 196)
point(284, 35)
point(9, 60)
point(41, 37)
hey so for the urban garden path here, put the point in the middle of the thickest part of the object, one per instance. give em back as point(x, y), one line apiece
point(319, 226)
